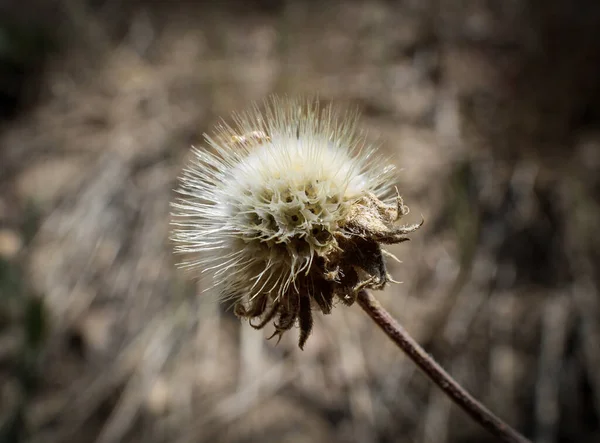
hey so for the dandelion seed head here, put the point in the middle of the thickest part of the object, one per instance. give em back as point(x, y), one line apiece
point(269, 207)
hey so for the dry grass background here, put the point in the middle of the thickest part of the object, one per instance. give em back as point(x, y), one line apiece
point(490, 109)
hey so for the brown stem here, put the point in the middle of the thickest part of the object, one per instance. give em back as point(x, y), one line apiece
point(435, 372)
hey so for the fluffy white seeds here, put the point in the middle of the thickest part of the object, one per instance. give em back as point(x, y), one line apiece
point(267, 196)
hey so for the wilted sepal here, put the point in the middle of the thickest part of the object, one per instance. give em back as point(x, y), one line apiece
point(355, 263)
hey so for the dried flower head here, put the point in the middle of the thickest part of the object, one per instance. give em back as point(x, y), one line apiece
point(287, 211)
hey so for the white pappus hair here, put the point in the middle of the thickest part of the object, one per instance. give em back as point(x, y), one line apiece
point(265, 197)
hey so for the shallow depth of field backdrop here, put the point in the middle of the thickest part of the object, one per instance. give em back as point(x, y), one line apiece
point(490, 108)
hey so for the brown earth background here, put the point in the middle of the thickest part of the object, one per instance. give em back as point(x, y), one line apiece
point(491, 108)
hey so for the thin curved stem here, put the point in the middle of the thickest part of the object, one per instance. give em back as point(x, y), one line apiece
point(435, 372)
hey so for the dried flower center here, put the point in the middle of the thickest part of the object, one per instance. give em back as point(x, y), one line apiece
point(271, 215)
point(295, 202)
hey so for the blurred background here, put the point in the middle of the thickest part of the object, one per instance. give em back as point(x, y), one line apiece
point(491, 108)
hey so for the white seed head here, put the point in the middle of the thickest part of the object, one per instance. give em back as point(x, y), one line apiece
point(269, 200)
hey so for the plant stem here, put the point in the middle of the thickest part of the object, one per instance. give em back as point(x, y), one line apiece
point(435, 372)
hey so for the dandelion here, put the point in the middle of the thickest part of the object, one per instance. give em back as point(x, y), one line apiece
point(287, 211)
